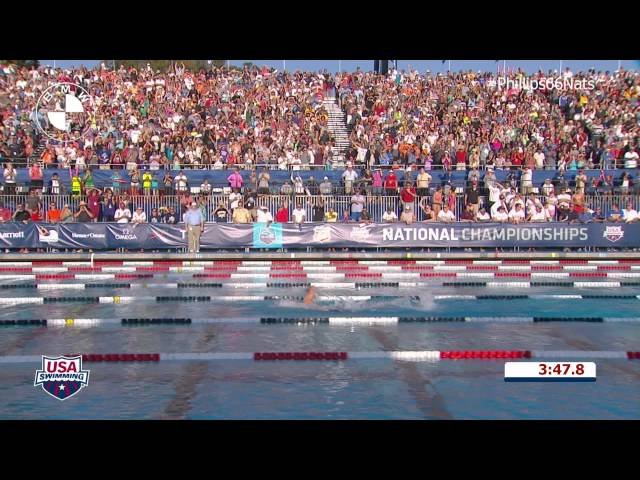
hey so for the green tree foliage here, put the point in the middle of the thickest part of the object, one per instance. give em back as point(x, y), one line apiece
point(163, 65)
point(23, 63)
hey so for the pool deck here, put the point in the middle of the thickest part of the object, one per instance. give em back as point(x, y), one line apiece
point(323, 255)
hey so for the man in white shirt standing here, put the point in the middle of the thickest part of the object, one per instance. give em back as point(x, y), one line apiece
point(631, 159)
point(494, 193)
point(181, 182)
point(10, 174)
point(205, 187)
point(349, 176)
point(539, 159)
point(526, 180)
point(547, 187)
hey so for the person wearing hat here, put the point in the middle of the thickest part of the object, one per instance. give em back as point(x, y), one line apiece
point(194, 223)
point(500, 215)
point(66, 215)
point(407, 216)
point(326, 188)
point(264, 215)
point(483, 216)
point(83, 214)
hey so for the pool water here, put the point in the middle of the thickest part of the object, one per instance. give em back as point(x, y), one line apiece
point(355, 389)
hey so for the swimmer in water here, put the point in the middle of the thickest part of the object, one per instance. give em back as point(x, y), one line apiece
point(310, 296)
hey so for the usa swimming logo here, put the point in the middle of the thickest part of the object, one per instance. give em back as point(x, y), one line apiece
point(613, 234)
point(62, 377)
point(267, 235)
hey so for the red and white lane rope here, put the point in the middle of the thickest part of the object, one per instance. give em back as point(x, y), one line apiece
point(413, 356)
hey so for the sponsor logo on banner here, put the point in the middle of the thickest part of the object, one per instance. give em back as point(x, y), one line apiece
point(360, 233)
point(47, 236)
point(322, 234)
point(62, 377)
point(267, 235)
point(126, 235)
point(87, 235)
point(614, 233)
point(12, 235)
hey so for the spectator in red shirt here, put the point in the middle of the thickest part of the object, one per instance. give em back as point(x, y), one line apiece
point(5, 214)
point(53, 214)
point(461, 158)
point(282, 215)
point(408, 194)
point(36, 216)
point(391, 184)
point(517, 157)
point(35, 173)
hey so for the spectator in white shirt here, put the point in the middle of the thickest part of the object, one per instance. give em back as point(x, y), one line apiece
point(139, 216)
point(539, 159)
point(482, 216)
point(10, 174)
point(538, 214)
point(516, 215)
point(123, 214)
point(547, 187)
point(181, 182)
point(349, 176)
point(550, 208)
point(389, 216)
point(264, 215)
point(526, 180)
point(500, 203)
point(494, 193)
point(500, 215)
point(205, 187)
point(631, 159)
point(446, 215)
point(298, 215)
point(234, 198)
point(629, 214)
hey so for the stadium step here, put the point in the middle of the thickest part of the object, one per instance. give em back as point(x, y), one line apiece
point(337, 127)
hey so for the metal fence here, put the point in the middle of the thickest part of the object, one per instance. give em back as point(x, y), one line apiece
point(375, 205)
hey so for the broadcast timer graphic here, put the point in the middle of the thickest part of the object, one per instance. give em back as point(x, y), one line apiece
point(68, 109)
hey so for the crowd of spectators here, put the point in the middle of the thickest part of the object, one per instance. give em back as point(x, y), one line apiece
point(158, 124)
point(220, 118)
point(470, 121)
point(145, 119)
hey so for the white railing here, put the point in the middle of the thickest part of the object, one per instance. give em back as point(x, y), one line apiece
point(375, 205)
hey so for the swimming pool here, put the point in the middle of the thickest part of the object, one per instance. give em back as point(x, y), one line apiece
point(360, 388)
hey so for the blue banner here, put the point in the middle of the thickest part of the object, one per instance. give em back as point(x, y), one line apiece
point(101, 236)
